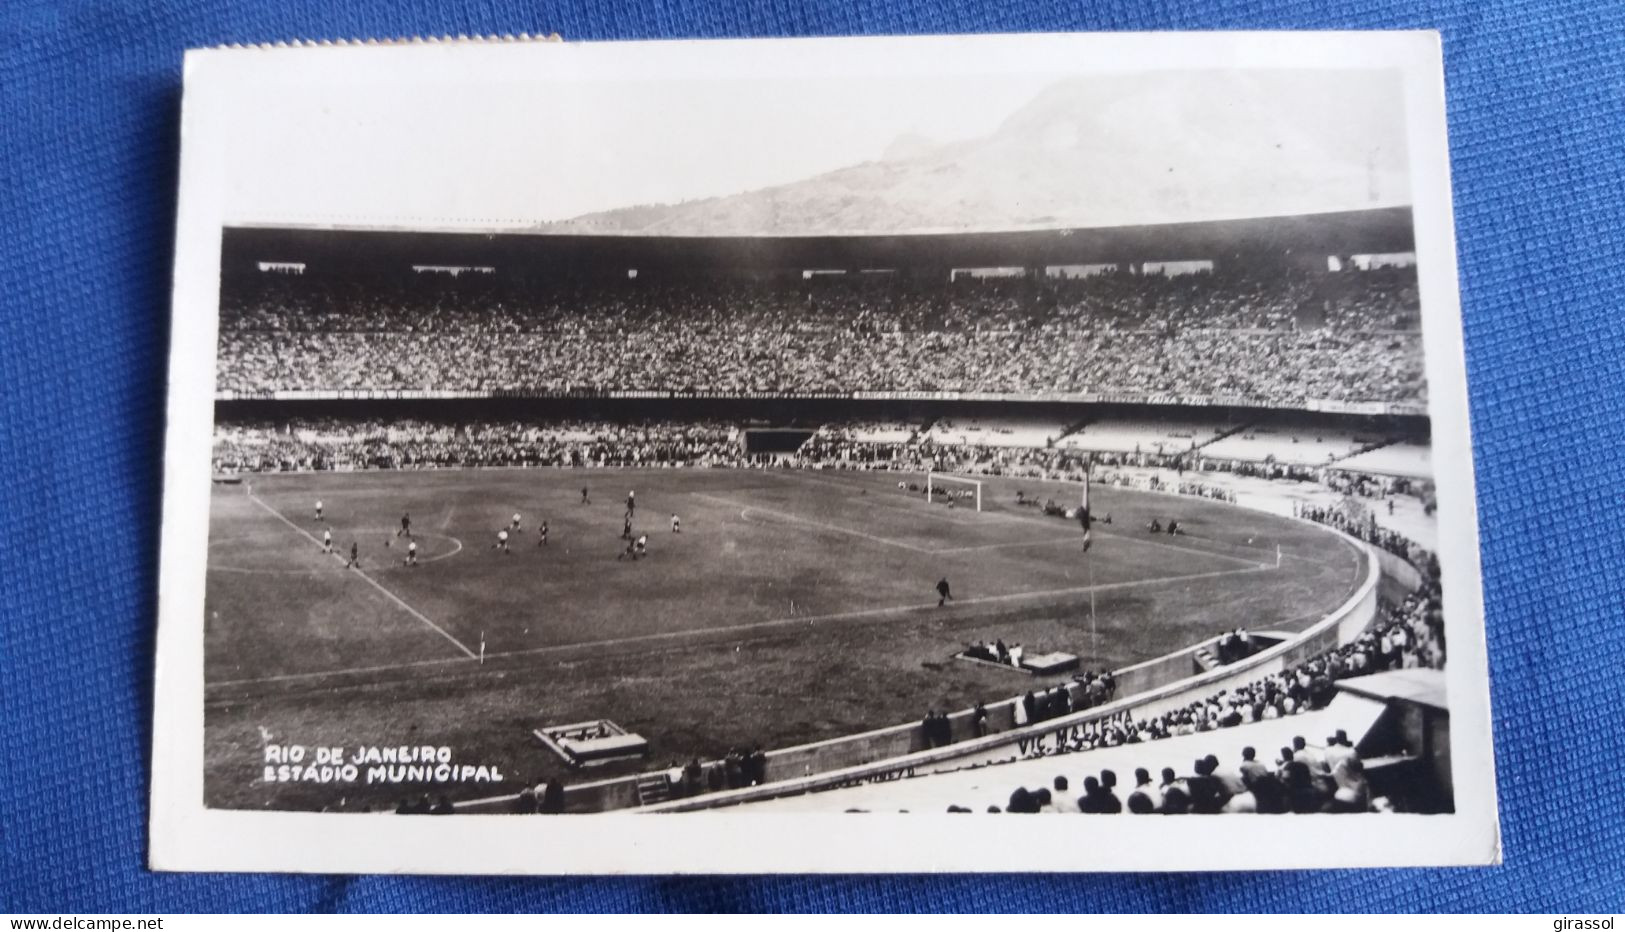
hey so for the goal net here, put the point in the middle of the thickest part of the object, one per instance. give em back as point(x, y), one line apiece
point(962, 492)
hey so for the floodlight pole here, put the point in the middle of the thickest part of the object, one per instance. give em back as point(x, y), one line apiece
point(1094, 636)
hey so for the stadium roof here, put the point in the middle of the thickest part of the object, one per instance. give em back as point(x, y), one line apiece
point(1384, 230)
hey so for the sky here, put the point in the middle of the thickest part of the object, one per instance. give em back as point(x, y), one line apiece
point(430, 138)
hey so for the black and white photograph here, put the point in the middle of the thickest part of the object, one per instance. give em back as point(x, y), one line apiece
point(703, 455)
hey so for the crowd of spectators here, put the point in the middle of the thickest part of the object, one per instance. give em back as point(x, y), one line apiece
point(316, 444)
point(1346, 336)
point(995, 651)
point(1409, 634)
point(1303, 778)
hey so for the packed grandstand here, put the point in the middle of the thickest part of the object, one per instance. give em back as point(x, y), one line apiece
point(1277, 339)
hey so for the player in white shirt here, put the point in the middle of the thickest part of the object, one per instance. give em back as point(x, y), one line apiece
point(412, 553)
point(676, 525)
point(318, 509)
point(502, 542)
point(327, 541)
point(642, 545)
point(516, 522)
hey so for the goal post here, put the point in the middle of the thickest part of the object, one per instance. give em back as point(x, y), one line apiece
point(939, 480)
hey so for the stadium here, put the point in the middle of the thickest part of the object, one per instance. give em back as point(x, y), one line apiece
point(832, 522)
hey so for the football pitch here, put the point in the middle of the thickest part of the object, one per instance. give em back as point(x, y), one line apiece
point(792, 606)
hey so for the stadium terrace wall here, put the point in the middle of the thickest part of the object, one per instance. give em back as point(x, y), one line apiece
point(900, 751)
point(542, 254)
point(1399, 577)
point(1314, 405)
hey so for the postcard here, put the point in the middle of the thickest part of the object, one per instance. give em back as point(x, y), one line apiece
point(805, 455)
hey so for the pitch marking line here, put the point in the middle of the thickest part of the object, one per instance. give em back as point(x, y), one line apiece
point(760, 625)
point(369, 580)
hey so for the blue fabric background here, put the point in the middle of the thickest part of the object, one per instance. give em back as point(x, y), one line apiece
point(91, 95)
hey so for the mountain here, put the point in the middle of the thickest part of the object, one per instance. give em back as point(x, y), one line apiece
point(1107, 150)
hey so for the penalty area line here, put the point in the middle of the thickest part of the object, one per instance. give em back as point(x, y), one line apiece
point(368, 579)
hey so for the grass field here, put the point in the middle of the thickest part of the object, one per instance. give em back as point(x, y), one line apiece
point(793, 607)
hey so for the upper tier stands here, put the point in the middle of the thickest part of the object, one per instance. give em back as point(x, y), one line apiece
point(1116, 435)
point(1346, 337)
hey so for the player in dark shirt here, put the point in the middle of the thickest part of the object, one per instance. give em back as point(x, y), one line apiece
point(355, 556)
point(543, 531)
point(406, 526)
point(584, 500)
point(626, 527)
point(944, 594)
